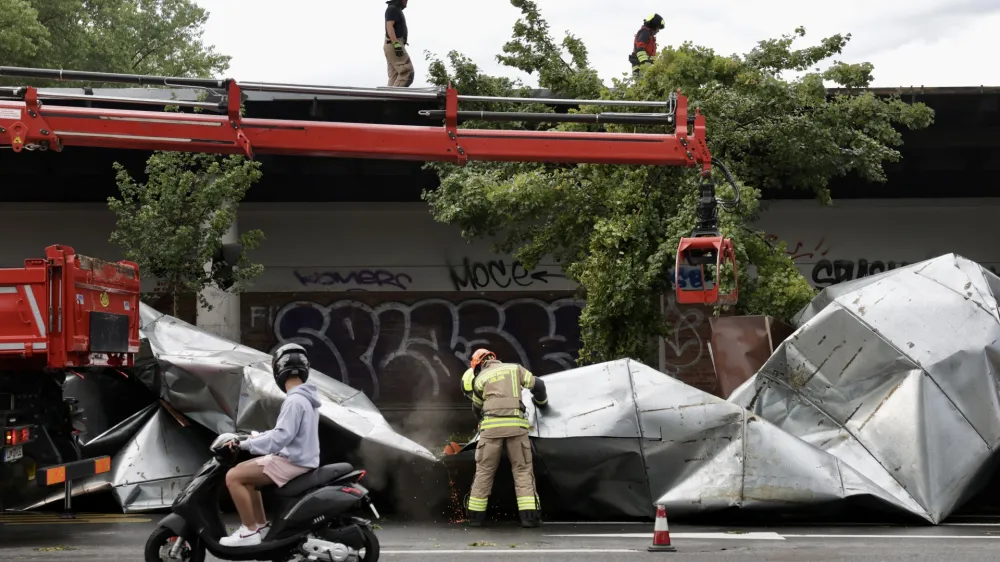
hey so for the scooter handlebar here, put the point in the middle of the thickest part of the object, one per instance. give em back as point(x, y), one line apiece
point(223, 440)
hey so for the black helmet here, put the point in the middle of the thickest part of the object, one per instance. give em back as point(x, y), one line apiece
point(290, 360)
point(654, 21)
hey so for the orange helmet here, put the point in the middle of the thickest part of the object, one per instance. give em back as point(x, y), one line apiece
point(481, 355)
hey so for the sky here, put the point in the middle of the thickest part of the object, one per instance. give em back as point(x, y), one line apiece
point(339, 42)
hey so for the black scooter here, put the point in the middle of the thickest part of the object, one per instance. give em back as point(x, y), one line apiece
point(315, 519)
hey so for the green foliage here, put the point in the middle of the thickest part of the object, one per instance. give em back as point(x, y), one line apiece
point(173, 224)
point(160, 37)
point(615, 229)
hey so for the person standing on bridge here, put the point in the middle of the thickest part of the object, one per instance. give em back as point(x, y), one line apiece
point(495, 391)
point(398, 61)
point(644, 44)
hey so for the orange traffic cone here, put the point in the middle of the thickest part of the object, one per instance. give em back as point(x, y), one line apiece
point(661, 534)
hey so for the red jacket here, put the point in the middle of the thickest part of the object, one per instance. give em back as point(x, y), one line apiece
point(645, 41)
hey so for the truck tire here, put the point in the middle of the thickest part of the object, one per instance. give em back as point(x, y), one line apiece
point(159, 543)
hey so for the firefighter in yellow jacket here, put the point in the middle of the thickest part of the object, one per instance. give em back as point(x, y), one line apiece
point(495, 391)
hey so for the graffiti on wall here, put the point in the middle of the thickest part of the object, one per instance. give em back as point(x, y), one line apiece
point(478, 275)
point(685, 346)
point(411, 353)
point(358, 278)
point(825, 272)
point(684, 353)
point(800, 251)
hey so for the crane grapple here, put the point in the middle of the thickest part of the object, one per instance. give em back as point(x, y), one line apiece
point(715, 252)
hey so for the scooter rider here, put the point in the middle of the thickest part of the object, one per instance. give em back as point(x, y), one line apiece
point(290, 449)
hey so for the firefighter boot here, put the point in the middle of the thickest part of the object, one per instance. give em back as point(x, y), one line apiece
point(476, 518)
point(530, 518)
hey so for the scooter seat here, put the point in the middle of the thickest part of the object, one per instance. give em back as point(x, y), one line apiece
point(314, 479)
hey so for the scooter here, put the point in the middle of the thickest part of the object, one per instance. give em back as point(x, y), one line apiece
point(317, 518)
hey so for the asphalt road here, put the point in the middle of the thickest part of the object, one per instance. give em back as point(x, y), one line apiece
point(111, 538)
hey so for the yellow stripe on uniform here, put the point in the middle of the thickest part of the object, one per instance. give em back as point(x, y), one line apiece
point(504, 422)
point(527, 502)
point(467, 379)
point(478, 504)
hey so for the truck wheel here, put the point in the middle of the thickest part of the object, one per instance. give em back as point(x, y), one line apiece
point(162, 540)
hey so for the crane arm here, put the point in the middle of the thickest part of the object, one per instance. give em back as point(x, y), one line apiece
point(28, 121)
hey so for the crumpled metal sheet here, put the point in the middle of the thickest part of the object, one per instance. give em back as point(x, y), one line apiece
point(153, 455)
point(896, 376)
point(886, 397)
point(619, 438)
point(226, 386)
point(221, 386)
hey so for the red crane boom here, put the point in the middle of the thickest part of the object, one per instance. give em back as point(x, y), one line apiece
point(28, 123)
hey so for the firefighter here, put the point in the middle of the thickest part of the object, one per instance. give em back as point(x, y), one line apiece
point(397, 60)
point(644, 46)
point(495, 391)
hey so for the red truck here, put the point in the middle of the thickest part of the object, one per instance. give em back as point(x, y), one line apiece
point(60, 313)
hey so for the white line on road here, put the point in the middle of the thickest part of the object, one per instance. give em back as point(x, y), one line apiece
point(970, 525)
point(515, 551)
point(965, 537)
point(584, 523)
point(765, 536)
point(694, 536)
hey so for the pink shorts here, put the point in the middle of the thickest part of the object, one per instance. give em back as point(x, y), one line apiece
point(280, 469)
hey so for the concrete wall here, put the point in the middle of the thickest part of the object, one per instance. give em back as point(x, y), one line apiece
point(390, 301)
point(399, 248)
point(856, 238)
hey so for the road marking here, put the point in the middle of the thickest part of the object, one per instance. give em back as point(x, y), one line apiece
point(965, 537)
point(693, 536)
point(970, 525)
point(515, 551)
point(585, 523)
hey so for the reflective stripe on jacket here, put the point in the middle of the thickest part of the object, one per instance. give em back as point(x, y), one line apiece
point(497, 388)
point(644, 47)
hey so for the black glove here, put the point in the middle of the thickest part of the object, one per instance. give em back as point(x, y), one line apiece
point(398, 47)
point(538, 394)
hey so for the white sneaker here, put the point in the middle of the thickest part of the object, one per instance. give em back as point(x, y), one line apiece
point(263, 529)
point(242, 537)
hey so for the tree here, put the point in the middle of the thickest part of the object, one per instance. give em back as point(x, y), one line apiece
point(162, 37)
point(615, 229)
point(173, 224)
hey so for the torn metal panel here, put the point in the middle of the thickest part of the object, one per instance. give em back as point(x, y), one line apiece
point(896, 376)
point(156, 464)
point(220, 386)
point(690, 451)
point(225, 386)
point(603, 407)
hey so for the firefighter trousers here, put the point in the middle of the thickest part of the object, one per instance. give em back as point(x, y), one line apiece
point(488, 453)
point(400, 69)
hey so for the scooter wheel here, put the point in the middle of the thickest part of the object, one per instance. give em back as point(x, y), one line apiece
point(371, 545)
point(159, 543)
